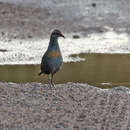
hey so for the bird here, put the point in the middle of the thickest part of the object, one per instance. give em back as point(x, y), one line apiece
point(52, 59)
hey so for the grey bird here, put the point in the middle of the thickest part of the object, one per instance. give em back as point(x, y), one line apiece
point(52, 59)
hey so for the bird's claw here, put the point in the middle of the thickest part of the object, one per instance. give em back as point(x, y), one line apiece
point(52, 85)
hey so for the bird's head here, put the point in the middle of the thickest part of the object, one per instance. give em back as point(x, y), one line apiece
point(57, 33)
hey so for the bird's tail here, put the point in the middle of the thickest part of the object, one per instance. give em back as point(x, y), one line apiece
point(39, 73)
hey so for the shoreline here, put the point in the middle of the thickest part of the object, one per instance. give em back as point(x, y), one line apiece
point(25, 30)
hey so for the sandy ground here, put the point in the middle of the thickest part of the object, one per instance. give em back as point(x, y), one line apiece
point(70, 106)
point(25, 21)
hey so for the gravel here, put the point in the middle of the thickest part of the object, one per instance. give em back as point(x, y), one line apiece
point(70, 106)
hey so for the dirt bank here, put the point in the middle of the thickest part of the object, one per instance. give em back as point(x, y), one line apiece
point(70, 106)
point(36, 20)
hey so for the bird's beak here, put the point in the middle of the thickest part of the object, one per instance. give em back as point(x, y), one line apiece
point(62, 35)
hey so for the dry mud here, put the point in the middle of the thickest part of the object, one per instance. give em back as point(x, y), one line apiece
point(70, 106)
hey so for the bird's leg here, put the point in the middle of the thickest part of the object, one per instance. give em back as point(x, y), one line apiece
point(51, 80)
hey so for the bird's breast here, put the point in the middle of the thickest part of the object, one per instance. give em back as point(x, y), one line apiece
point(54, 54)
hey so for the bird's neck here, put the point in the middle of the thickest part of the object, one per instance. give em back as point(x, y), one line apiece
point(53, 42)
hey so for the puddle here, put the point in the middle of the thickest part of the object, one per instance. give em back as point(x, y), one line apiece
point(111, 35)
point(102, 70)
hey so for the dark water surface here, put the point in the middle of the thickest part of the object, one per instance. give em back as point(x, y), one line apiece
point(102, 70)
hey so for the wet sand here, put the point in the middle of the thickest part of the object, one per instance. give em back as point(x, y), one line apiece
point(70, 106)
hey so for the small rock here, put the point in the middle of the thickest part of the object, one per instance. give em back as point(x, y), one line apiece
point(76, 127)
point(3, 50)
point(20, 42)
point(61, 125)
point(76, 36)
point(81, 117)
point(15, 37)
point(3, 12)
point(29, 36)
point(2, 33)
point(93, 4)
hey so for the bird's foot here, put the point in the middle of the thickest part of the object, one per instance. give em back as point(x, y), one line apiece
point(52, 85)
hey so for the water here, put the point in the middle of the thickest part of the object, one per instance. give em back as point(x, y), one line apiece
point(102, 70)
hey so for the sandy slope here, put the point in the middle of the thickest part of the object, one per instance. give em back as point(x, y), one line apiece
point(70, 106)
